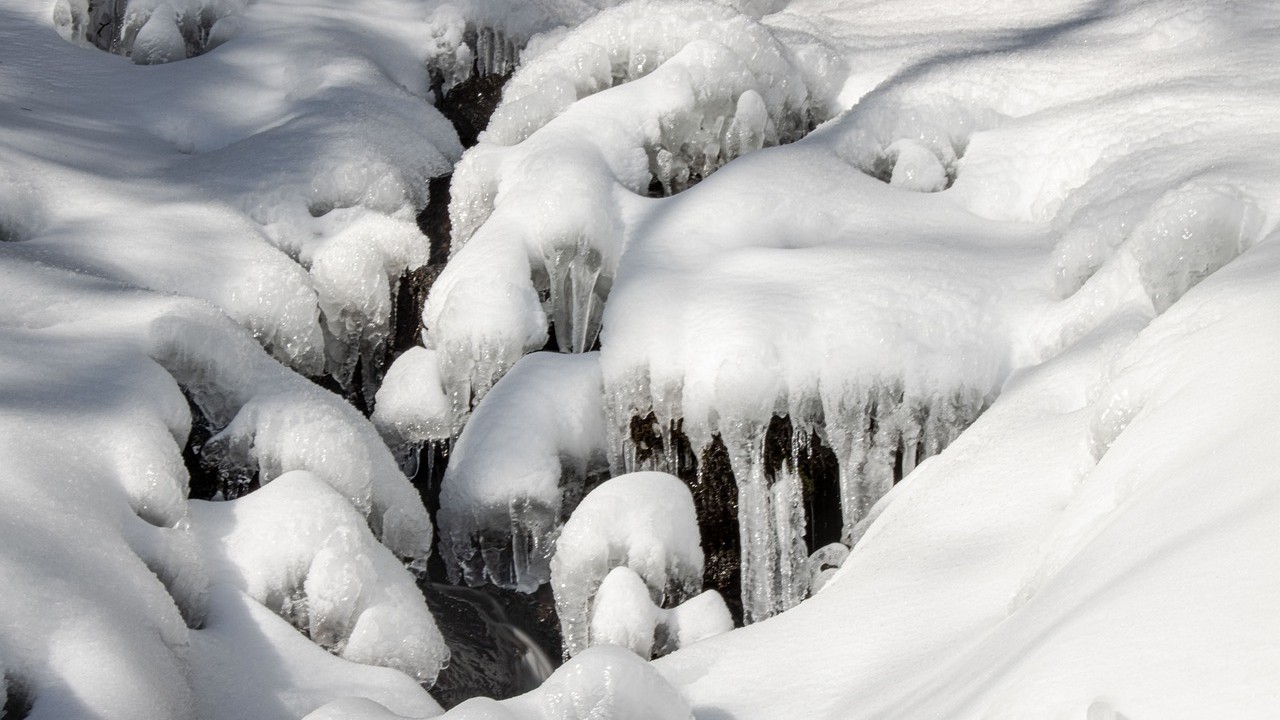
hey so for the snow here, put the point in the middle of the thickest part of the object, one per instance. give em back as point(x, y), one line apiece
point(622, 613)
point(539, 205)
point(300, 549)
point(212, 230)
point(1013, 264)
point(519, 468)
point(644, 521)
point(606, 681)
point(410, 408)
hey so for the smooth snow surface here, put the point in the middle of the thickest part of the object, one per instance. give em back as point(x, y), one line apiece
point(1012, 264)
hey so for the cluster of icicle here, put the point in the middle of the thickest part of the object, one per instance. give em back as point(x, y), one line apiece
point(878, 432)
point(148, 31)
point(461, 49)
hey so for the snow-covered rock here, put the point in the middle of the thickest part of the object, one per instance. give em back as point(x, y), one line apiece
point(643, 521)
point(520, 468)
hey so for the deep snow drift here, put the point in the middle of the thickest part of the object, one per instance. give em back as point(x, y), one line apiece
point(1012, 265)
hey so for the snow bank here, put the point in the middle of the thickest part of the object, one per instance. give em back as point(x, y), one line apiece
point(601, 682)
point(210, 230)
point(292, 161)
point(519, 468)
point(248, 662)
point(642, 521)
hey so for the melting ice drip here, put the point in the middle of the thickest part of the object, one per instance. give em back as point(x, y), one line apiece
point(878, 434)
point(576, 292)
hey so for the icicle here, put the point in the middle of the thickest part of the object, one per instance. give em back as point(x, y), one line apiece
point(584, 272)
point(771, 523)
point(484, 51)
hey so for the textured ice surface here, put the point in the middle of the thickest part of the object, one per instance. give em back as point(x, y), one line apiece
point(643, 521)
point(520, 467)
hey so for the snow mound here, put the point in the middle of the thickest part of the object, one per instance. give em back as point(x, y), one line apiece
point(248, 662)
point(271, 421)
point(623, 613)
point(410, 408)
point(643, 521)
point(601, 682)
point(519, 468)
point(301, 550)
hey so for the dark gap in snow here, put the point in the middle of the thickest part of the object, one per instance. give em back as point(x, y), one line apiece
point(212, 476)
point(820, 474)
point(715, 497)
point(431, 461)
point(709, 476)
point(354, 393)
point(470, 103)
point(502, 643)
point(18, 699)
point(414, 285)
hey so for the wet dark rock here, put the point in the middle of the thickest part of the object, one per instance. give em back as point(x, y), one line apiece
point(18, 700)
point(488, 631)
point(210, 479)
point(470, 103)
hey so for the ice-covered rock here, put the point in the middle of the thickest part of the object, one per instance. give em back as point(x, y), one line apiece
point(410, 408)
point(622, 613)
point(823, 563)
point(642, 521)
point(519, 468)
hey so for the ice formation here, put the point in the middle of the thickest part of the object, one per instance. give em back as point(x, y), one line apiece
point(647, 97)
point(519, 468)
point(149, 31)
point(643, 521)
point(575, 158)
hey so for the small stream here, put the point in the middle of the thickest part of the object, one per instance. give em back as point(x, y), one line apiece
point(491, 638)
